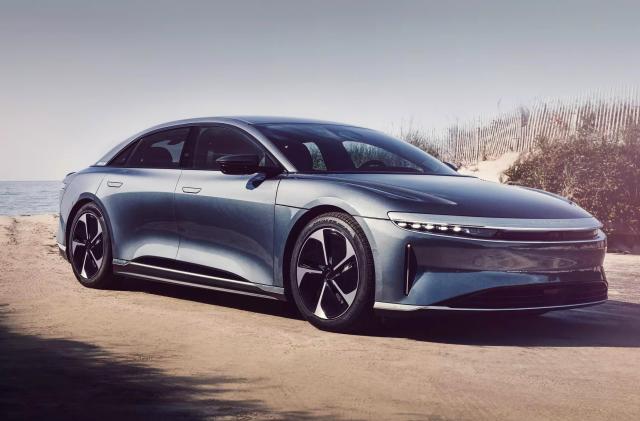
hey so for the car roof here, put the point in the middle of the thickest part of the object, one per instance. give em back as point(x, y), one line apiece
point(254, 119)
point(274, 120)
point(240, 121)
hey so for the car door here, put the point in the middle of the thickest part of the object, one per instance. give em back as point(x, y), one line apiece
point(226, 222)
point(138, 194)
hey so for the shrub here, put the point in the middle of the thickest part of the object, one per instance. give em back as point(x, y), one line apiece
point(601, 175)
point(418, 138)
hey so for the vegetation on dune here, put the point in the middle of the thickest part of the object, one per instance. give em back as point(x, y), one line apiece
point(600, 174)
point(419, 138)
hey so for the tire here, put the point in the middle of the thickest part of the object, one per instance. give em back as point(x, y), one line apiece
point(90, 255)
point(334, 293)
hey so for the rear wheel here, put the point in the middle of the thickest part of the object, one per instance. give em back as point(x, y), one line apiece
point(89, 248)
point(332, 275)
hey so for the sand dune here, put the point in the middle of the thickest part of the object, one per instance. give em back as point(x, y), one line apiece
point(491, 170)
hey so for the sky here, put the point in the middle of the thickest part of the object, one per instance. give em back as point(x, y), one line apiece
point(77, 77)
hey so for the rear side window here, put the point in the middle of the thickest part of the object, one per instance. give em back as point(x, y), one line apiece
point(121, 159)
point(160, 150)
point(217, 141)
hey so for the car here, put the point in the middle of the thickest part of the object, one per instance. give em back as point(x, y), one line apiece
point(338, 219)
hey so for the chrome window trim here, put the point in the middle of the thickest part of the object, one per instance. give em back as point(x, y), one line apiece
point(235, 122)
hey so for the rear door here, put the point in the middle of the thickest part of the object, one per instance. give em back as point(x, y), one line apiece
point(225, 221)
point(138, 193)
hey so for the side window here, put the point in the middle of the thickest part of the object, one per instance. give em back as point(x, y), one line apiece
point(121, 159)
point(316, 156)
point(217, 141)
point(362, 153)
point(160, 150)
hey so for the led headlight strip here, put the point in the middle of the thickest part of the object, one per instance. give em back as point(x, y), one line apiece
point(450, 229)
point(504, 229)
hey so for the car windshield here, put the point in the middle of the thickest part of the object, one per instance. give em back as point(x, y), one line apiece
point(332, 148)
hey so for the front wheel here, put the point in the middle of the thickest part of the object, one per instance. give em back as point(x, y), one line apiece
point(89, 248)
point(332, 275)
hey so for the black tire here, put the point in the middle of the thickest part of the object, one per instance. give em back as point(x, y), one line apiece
point(340, 306)
point(92, 269)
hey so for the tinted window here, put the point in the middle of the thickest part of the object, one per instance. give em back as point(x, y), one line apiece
point(335, 148)
point(121, 159)
point(217, 141)
point(363, 154)
point(160, 150)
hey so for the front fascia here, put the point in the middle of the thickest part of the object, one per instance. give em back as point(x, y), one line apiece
point(448, 266)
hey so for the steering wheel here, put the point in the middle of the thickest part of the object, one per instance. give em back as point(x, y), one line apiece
point(374, 163)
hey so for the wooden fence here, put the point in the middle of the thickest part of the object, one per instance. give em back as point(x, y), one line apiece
point(608, 113)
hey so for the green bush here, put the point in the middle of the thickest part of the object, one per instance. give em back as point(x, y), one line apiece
point(601, 175)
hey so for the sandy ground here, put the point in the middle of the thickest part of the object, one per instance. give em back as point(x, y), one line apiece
point(152, 350)
point(491, 170)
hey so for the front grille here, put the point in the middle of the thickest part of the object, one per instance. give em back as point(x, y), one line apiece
point(546, 235)
point(532, 296)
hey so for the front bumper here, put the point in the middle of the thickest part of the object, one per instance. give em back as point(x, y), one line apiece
point(419, 270)
point(63, 251)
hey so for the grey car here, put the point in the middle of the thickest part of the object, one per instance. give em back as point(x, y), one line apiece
point(341, 220)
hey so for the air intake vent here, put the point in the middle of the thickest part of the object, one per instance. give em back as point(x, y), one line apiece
point(409, 268)
point(532, 296)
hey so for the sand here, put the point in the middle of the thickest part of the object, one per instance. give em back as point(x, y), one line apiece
point(152, 350)
point(491, 170)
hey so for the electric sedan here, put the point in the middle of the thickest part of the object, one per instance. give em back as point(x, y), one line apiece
point(338, 219)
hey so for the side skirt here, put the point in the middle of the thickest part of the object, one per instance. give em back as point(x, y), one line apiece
point(197, 280)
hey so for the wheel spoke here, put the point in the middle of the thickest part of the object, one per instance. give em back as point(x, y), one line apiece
point(74, 245)
point(347, 297)
point(83, 272)
point(83, 219)
point(319, 311)
point(80, 230)
point(98, 231)
point(87, 248)
point(320, 237)
point(304, 270)
point(327, 273)
point(77, 256)
point(96, 261)
point(349, 253)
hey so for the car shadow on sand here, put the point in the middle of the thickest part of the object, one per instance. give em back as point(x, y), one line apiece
point(266, 306)
point(613, 324)
point(58, 378)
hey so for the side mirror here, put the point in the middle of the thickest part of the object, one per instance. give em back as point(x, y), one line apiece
point(451, 165)
point(239, 164)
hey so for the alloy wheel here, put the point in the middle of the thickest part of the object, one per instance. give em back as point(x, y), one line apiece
point(327, 273)
point(87, 246)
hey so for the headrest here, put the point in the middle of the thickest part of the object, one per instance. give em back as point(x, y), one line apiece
point(299, 155)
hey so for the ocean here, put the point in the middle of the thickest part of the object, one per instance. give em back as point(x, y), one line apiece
point(29, 197)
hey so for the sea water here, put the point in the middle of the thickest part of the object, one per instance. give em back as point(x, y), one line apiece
point(29, 197)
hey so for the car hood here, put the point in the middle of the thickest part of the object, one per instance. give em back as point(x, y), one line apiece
point(458, 195)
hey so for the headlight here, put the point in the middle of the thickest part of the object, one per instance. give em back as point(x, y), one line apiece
point(450, 229)
point(502, 229)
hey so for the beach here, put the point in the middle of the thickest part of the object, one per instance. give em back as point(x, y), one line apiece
point(156, 350)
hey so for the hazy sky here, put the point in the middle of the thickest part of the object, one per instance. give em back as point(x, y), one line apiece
point(76, 77)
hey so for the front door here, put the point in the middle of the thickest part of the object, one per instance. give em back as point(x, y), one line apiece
point(226, 222)
point(138, 194)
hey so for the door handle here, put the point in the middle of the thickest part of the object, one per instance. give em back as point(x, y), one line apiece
point(114, 183)
point(192, 190)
